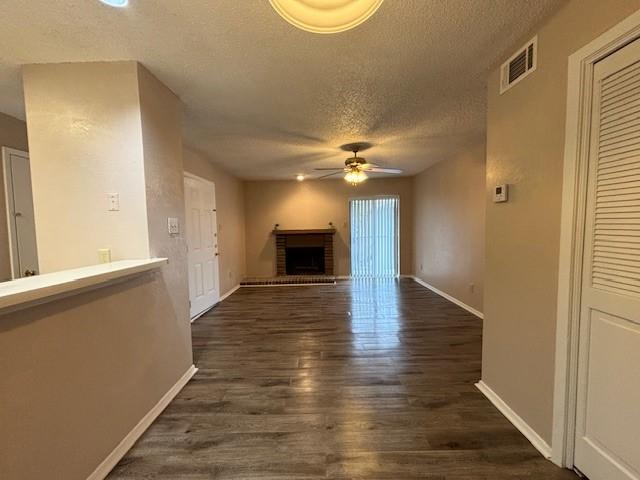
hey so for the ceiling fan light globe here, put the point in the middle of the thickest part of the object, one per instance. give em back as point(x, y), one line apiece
point(354, 177)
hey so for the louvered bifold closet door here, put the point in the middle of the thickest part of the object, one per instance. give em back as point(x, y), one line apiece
point(616, 248)
point(374, 237)
point(608, 393)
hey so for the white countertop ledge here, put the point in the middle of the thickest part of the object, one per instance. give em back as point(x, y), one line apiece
point(25, 292)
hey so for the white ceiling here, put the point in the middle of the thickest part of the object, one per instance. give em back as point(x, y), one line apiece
point(266, 100)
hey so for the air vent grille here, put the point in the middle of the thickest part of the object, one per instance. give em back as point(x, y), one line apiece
point(521, 64)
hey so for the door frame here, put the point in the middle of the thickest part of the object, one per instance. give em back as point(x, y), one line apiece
point(12, 235)
point(374, 197)
point(572, 230)
point(217, 239)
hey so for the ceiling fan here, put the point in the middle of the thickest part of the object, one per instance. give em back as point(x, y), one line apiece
point(356, 168)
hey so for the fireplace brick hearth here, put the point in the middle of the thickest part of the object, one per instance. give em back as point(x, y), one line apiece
point(311, 240)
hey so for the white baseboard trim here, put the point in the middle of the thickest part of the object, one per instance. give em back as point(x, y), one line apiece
point(193, 319)
point(127, 442)
point(223, 297)
point(536, 440)
point(229, 293)
point(468, 308)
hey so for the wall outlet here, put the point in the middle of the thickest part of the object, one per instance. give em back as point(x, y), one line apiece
point(113, 200)
point(421, 268)
point(104, 255)
point(472, 287)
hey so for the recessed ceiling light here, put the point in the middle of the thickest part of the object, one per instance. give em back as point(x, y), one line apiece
point(116, 3)
point(326, 16)
point(300, 177)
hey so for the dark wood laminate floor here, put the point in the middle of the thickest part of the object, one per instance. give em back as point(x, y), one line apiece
point(362, 380)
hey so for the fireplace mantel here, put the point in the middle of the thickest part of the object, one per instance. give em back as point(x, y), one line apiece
point(317, 231)
point(316, 237)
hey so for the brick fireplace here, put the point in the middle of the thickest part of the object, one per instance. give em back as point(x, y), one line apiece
point(304, 252)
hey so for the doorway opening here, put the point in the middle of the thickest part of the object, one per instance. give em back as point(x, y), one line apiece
point(23, 251)
point(375, 236)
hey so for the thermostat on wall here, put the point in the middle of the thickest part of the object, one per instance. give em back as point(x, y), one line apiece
point(500, 193)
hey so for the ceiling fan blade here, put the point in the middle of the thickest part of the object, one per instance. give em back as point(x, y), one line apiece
point(384, 170)
point(328, 175)
point(340, 168)
point(368, 166)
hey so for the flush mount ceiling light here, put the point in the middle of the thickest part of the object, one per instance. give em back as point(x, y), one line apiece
point(116, 3)
point(326, 16)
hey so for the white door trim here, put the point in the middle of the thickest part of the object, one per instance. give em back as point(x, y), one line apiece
point(574, 199)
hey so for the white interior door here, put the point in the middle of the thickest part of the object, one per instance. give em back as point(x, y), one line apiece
point(608, 407)
point(20, 217)
point(202, 242)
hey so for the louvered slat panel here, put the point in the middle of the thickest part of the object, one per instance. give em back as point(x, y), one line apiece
point(613, 285)
point(621, 165)
point(631, 98)
point(615, 90)
point(619, 130)
point(621, 113)
point(618, 249)
point(621, 265)
point(616, 241)
point(624, 134)
point(620, 144)
point(623, 75)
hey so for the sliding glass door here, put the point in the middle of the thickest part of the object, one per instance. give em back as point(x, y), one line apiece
point(374, 237)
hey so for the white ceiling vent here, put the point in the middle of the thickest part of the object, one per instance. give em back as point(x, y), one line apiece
point(521, 64)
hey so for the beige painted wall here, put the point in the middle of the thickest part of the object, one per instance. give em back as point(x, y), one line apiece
point(231, 217)
point(448, 211)
point(78, 374)
point(84, 132)
point(525, 143)
point(13, 133)
point(313, 204)
point(161, 117)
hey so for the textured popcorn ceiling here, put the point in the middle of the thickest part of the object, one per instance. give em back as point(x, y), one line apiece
point(266, 100)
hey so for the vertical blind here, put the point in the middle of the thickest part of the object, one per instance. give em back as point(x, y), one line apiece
point(374, 237)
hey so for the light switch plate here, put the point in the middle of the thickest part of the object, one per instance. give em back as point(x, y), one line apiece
point(173, 225)
point(113, 200)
